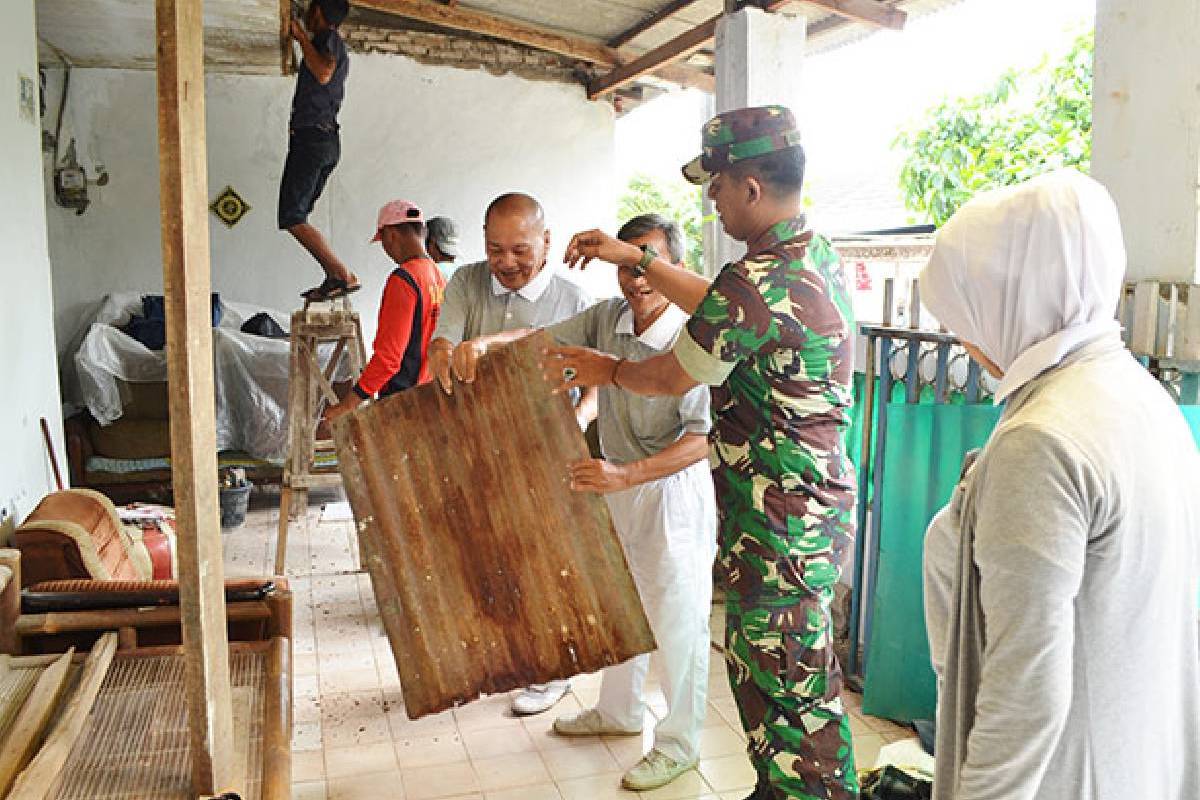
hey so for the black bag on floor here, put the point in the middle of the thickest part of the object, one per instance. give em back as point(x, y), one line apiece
point(895, 783)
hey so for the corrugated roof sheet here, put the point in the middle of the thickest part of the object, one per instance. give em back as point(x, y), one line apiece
point(490, 574)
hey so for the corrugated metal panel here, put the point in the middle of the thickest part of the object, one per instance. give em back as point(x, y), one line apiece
point(597, 19)
point(489, 572)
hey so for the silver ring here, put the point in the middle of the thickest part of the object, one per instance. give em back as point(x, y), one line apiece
point(569, 373)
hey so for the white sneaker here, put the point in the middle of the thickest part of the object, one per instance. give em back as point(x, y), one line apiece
point(654, 770)
point(539, 697)
point(590, 722)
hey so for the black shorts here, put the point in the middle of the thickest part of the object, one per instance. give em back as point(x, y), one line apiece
point(312, 155)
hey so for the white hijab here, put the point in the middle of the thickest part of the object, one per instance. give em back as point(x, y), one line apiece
point(1029, 273)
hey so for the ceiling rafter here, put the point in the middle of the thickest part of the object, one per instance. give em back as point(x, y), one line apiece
point(455, 17)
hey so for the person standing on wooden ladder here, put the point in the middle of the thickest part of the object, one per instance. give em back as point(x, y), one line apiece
point(314, 143)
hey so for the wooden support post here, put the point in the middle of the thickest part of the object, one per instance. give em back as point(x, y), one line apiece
point(183, 187)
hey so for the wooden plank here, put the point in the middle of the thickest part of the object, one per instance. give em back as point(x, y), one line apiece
point(667, 11)
point(565, 44)
point(678, 48)
point(36, 780)
point(26, 733)
point(183, 191)
point(489, 572)
point(871, 12)
point(110, 619)
point(277, 724)
point(462, 19)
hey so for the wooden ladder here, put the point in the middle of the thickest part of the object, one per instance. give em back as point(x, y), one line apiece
point(310, 388)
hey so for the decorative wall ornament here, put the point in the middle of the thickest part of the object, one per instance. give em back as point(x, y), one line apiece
point(229, 207)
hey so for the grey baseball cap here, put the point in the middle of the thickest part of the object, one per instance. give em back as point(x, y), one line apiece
point(444, 234)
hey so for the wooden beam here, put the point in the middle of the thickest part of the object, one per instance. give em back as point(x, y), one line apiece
point(871, 12)
point(678, 48)
point(667, 11)
point(462, 19)
point(183, 191)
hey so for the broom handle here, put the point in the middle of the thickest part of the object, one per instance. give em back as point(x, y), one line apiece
point(53, 458)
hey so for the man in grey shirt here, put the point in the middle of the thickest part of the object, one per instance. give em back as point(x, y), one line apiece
point(497, 300)
point(654, 477)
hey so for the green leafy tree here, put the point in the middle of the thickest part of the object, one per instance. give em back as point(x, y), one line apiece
point(1029, 123)
point(683, 204)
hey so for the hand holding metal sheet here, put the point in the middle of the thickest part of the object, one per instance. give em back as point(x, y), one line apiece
point(567, 368)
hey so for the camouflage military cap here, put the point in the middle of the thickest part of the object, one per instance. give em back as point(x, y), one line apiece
point(741, 134)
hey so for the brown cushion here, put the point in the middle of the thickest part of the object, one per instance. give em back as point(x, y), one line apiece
point(144, 400)
point(131, 438)
point(49, 540)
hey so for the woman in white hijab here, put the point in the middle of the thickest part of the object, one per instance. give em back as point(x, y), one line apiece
point(1061, 582)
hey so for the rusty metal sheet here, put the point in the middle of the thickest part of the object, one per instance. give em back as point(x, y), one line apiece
point(489, 572)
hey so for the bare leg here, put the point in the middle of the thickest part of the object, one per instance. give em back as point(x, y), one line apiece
point(319, 248)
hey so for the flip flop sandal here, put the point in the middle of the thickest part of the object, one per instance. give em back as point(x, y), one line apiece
point(330, 289)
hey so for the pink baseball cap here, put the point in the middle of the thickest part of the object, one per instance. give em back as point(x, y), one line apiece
point(394, 213)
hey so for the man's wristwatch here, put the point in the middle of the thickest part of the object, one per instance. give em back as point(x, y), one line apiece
point(648, 255)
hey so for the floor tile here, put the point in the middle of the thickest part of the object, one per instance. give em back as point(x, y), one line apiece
point(542, 791)
point(507, 772)
point(484, 744)
point(430, 751)
point(348, 681)
point(308, 765)
point(728, 772)
point(363, 759)
point(723, 741)
point(352, 719)
point(308, 790)
point(433, 783)
point(377, 786)
point(596, 787)
point(583, 761)
point(487, 713)
point(627, 750)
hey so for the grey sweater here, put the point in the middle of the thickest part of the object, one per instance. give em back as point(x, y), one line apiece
point(1061, 596)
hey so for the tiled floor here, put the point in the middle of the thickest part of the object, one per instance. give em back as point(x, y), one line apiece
point(353, 740)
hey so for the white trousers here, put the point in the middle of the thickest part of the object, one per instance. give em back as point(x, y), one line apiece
point(668, 531)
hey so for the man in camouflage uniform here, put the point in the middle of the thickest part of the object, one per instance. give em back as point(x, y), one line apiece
point(773, 335)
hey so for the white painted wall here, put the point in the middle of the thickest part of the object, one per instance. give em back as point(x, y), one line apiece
point(448, 139)
point(1146, 131)
point(26, 333)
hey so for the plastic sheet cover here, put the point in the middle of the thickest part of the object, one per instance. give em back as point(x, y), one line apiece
point(251, 373)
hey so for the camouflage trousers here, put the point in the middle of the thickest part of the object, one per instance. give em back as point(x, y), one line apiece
point(788, 687)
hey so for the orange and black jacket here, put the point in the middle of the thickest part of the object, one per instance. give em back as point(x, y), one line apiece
point(408, 315)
